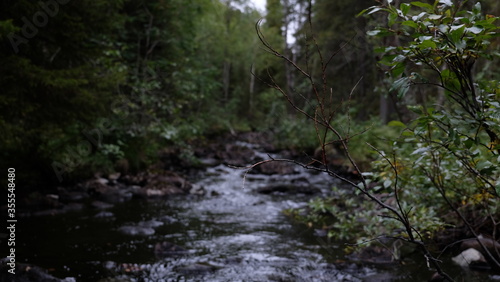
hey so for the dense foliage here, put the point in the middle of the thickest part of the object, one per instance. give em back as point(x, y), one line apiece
point(102, 86)
point(443, 170)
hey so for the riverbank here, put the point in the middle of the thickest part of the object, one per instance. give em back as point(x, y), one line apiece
point(208, 219)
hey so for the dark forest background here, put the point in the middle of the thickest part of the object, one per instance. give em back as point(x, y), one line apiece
point(91, 86)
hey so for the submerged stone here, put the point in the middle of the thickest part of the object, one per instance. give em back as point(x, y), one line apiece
point(27, 273)
point(166, 249)
point(288, 188)
point(197, 268)
point(470, 258)
point(136, 230)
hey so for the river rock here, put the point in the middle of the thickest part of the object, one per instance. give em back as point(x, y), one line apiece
point(471, 258)
point(209, 162)
point(262, 139)
point(104, 214)
point(114, 176)
point(101, 205)
point(158, 183)
point(168, 219)
point(139, 179)
point(175, 159)
point(167, 249)
point(73, 207)
point(113, 194)
point(100, 180)
point(236, 155)
point(492, 246)
point(136, 230)
point(150, 223)
point(46, 212)
point(288, 188)
point(436, 277)
point(27, 273)
point(197, 190)
point(168, 178)
point(62, 209)
point(274, 167)
point(159, 192)
point(197, 268)
point(50, 201)
point(66, 196)
point(94, 184)
point(330, 155)
point(127, 268)
point(374, 255)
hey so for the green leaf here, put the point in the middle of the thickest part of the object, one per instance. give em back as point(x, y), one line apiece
point(398, 69)
point(456, 35)
point(477, 8)
point(396, 123)
point(460, 45)
point(434, 17)
point(407, 133)
point(455, 27)
point(392, 17)
point(385, 49)
point(418, 17)
point(469, 143)
point(370, 10)
point(423, 38)
point(446, 2)
point(443, 28)
point(373, 32)
point(401, 86)
point(426, 6)
point(387, 60)
point(483, 164)
point(405, 8)
point(419, 151)
point(398, 59)
point(427, 44)
point(410, 24)
point(475, 29)
point(416, 109)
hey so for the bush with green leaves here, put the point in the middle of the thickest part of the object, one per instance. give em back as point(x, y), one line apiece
point(444, 168)
point(455, 142)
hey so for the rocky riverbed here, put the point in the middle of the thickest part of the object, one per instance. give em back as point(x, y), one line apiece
point(214, 223)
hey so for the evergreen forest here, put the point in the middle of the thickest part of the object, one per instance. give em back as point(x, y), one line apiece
point(397, 99)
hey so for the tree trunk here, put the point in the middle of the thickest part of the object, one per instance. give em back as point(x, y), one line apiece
point(251, 90)
point(226, 78)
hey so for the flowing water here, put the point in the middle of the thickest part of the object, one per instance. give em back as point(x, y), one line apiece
point(232, 233)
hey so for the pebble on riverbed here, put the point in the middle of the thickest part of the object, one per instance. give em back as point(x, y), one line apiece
point(167, 249)
point(197, 268)
point(470, 258)
point(474, 256)
point(288, 188)
point(27, 273)
point(103, 193)
point(136, 230)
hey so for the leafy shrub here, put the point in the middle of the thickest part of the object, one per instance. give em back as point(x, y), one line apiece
point(443, 170)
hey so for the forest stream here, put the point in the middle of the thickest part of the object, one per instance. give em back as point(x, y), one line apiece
point(231, 233)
